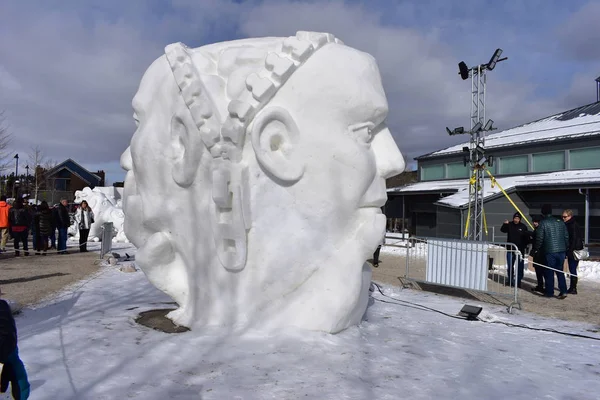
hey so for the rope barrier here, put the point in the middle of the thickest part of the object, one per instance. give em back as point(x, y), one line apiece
point(516, 252)
point(32, 250)
point(567, 274)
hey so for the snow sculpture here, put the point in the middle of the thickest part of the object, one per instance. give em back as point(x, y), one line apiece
point(104, 210)
point(255, 180)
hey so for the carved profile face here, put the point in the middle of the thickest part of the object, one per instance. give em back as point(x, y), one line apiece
point(316, 156)
point(334, 134)
point(158, 211)
point(321, 226)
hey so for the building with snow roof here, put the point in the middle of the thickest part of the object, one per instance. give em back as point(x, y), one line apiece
point(553, 160)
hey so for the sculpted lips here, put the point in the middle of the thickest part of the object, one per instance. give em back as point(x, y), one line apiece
point(376, 203)
point(376, 195)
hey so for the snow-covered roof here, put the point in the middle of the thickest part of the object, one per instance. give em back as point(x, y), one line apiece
point(461, 186)
point(431, 186)
point(579, 122)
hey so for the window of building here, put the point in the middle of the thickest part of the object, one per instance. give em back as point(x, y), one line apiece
point(456, 170)
point(513, 165)
point(432, 172)
point(546, 162)
point(584, 158)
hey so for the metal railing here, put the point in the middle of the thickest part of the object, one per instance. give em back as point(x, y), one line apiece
point(463, 264)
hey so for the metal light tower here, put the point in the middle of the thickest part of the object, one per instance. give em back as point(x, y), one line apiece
point(477, 159)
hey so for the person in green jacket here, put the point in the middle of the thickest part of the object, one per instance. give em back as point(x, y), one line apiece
point(552, 238)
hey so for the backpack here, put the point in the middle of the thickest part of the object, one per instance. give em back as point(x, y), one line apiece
point(21, 217)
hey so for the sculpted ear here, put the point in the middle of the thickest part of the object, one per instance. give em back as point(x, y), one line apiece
point(274, 138)
point(186, 150)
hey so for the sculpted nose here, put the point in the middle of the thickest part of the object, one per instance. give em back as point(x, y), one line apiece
point(387, 155)
point(126, 161)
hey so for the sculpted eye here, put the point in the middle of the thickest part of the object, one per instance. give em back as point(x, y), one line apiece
point(363, 133)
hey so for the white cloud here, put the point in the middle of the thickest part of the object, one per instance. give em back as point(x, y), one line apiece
point(68, 70)
point(419, 70)
point(579, 36)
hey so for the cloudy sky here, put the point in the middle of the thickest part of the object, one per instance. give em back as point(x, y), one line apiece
point(69, 68)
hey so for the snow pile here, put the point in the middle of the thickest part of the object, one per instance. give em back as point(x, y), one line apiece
point(589, 271)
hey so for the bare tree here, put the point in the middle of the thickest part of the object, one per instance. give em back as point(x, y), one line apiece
point(49, 182)
point(49, 164)
point(5, 139)
point(37, 158)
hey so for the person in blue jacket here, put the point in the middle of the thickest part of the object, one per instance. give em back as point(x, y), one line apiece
point(13, 370)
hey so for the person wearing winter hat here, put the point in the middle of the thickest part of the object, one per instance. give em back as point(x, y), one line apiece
point(552, 238)
point(517, 234)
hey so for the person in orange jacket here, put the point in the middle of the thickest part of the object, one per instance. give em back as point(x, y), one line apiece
point(4, 225)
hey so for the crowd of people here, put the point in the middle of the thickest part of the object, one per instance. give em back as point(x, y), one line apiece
point(551, 242)
point(20, 219)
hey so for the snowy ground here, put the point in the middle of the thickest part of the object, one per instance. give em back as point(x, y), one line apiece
point(84, 344)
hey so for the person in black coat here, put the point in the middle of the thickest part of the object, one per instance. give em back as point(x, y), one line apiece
point(13, 370)
point(19, 220)
point(575, 243)
point(45, 225)
point(62, 222)
point(518, 235)
point(539, 259)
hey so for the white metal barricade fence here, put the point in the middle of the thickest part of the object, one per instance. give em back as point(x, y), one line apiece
point(107, 235)
point(461, 264)
point(471, 265)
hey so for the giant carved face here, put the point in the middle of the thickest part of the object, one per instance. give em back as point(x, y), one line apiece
point(274, 229)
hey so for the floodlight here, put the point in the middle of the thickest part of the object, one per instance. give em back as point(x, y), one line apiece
point(456, 131)
point(470, 312)
point(488, 125)
point(477, 127)
point(463, 70)
point(492, 64)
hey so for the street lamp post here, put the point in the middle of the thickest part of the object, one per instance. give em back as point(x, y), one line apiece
point(16, 157)
point(27, 181)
